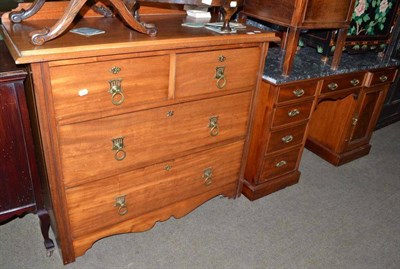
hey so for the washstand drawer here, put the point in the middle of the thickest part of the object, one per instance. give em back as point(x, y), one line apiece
point(285, 138)
point(112, 145)
point(292, 113)
point(94, 87)
point(216, 71)
point(383, 76)
point(277, 165)
point(297, 91)
point(95, 205)
point(342, 82)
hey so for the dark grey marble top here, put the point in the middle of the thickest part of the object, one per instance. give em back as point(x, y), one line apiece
point(308, 64)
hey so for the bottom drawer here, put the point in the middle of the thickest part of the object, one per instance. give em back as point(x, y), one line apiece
point(279, 164)
point(94, 206)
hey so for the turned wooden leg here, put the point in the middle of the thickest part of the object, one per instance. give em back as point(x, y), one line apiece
point(45, 226)
point(41, 36)
point(18, 16)
point(339, 48)
point(292, 40)
point(127, 16)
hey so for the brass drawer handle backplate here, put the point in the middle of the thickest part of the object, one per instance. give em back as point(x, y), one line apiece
point(213, 125)
point(298, 92)
point(333, 86)
point(280, 164)
point(207, 176)
point(117, 97)
point(220, 76)
point(354, 82)
point(121, 204)
point(383, 78)
point(287, 139)
point(118, 145)
point(293, 112)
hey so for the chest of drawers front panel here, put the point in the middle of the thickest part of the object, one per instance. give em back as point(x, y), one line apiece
point(138, 138)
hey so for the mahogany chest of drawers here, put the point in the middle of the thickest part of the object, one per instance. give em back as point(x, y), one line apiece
point(140, 129)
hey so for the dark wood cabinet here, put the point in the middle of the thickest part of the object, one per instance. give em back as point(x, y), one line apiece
point(20, 190)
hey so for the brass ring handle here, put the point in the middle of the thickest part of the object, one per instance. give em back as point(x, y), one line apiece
point(383, 78)
point(122, 210)
point(287, 139)
point(221, 82)
point(117, 101)
point(118, 145)
point(333, 86)
point(118, 156)
point(354, 82)
point(213, 125)
point(121, 204)
point(116, 91)
point(207, 176)
point(293, 113)
point(280, 164)
point(298, 92)
point(214, 131)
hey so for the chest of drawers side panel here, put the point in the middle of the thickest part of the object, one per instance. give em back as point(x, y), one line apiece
point(55, 196)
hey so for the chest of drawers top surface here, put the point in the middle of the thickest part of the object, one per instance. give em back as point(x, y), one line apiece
point(117, 39)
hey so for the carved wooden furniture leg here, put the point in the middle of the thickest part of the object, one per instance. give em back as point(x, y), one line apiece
point(292, 40)
point(339, 48)
point(131, 21)
point(44, 226)
point(228, 10)
point(41, 36)
point(18, 16)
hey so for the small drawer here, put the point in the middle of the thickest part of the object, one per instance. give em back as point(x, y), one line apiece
point(109, 201)
point(378, 77)
point(216, 71)
point(286, 138)
point(293, 113)
point(279, 164)
point(110, 85)
point(297, 91)
point(342, 82)
point(107, 146)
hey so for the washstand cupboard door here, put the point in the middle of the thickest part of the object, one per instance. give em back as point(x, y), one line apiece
point(366, 116)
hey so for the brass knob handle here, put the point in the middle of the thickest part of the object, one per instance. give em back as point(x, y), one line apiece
point(333, 86)
point(221, 58)
point(281, 163)
point(118, 145)
point(117, 97)
point(298, 92)
point(293, 112)
point(287, 139)
point(220, 76)
point(213, 125)
point(207, 176)
point(121, 204)
point(354, 82)
point(383, 78)
point(115, 69)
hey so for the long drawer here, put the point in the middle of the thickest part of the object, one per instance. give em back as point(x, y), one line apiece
point(215, 71)
point(112, 145)
point(96, 87)
point(95, 205)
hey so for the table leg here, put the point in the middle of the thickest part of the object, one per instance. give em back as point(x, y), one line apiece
point(340, 41)
point(18, 16)
point(292, 40)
